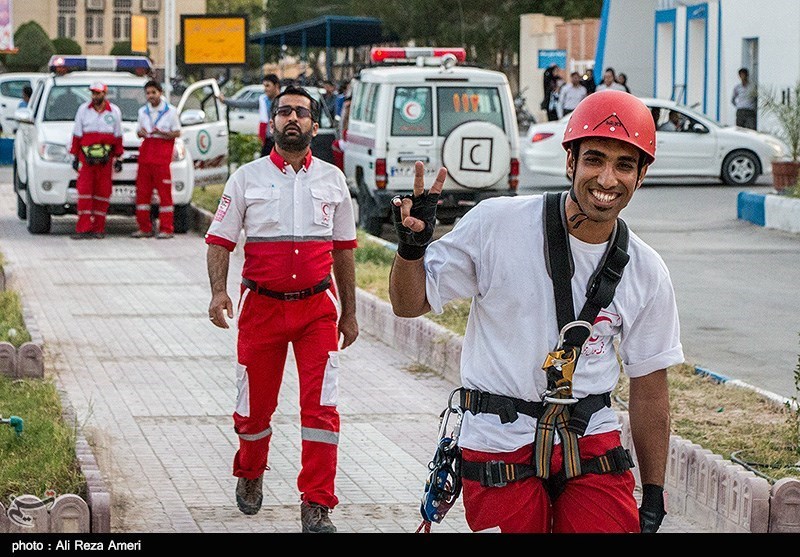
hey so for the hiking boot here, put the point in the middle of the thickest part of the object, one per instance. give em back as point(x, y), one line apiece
point(164, 236)
point(249, 495)
point(142, 234)
point(315, 520)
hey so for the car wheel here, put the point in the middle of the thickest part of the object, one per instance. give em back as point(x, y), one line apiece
point(182, 219)
point(740, 168)
point(369, 214)
point(38, 217)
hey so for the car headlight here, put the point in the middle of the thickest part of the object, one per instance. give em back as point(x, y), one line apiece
point(178, 151)
point(778, 149)
point(53, 152)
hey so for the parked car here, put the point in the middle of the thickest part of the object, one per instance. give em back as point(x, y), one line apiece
point(699, 148)
point(243, 118)
point(11, 86)
point(418, 104)
point(44, 180)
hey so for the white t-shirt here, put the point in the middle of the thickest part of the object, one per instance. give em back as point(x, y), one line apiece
point(614, 85)
point(495, 255)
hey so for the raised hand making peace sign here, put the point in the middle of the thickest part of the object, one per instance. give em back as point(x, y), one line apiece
point(414, 216)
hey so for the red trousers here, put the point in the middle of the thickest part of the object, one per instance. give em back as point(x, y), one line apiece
point(94, 193)
point(154, 177)
point(266, 326)
point(590, 503)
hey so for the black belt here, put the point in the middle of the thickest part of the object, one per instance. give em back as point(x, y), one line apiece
point(288, 296)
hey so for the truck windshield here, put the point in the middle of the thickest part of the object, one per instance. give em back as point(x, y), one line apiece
point(63, 101)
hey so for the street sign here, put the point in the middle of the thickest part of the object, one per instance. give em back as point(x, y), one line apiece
point(548, 57)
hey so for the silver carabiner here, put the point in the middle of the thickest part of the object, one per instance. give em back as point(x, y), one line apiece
point(568, 326)
point(449, 411)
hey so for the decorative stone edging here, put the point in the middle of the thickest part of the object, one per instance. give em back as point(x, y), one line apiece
point(67, 513)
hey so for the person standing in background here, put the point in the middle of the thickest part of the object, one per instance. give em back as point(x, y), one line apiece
point(272, 86)
point(622, 79)
point(744, 99)
point(610, 81)
point(159, 126)
point(27, 91)
point(572, 93)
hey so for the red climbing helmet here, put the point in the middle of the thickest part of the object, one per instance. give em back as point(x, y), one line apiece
point(613, 114)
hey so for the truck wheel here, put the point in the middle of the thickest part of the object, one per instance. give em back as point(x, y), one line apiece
point(373, 226)
point(38, 217)
point(446, 221)
point(182, 220)
point(369, 214)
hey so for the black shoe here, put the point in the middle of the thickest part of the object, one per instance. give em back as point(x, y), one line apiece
point(99, 235)
point(81, 236)
point(315, 520)
point(249, 495)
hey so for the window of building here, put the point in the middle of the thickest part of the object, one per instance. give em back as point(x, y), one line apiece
point(152, 28)
point(94, 27)
point(122, 20)
point(66, 18)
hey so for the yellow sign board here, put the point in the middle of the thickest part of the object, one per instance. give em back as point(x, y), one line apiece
point(215, 40)
point(139, 34)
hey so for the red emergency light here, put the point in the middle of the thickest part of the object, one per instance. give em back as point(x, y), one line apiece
point(410, 54)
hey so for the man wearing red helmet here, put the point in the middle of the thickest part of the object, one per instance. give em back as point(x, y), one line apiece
point(540, 444)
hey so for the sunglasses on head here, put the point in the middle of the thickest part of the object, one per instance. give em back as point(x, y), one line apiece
point(301, 111)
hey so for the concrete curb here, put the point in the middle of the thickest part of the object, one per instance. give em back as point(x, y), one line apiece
point(770, 211)
point(30, 364)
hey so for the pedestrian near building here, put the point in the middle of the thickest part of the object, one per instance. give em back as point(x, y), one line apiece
point(329, 97)
point(554, 244)
point(744, 99)
point(298, 221)
point(272, 86)
point(572, 93)
point(96, 148)
point(610, 81)
point(587, 80)
point(158, 126)
point(622, 79)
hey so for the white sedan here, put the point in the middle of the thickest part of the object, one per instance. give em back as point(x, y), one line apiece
point(700, 147)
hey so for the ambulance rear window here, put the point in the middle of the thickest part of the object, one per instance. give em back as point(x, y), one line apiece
point(457, 105)
point(412, 114)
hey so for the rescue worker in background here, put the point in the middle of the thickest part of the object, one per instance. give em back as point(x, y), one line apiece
point(96, 146)
point(159, 126)
point(272, 86)
point(298, 220)
point(495, 255)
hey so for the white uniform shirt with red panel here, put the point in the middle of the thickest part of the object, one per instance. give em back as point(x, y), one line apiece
point(495, 255)
point(264, 115)
point(291, 220)
point(92, 127)
point(164, 117)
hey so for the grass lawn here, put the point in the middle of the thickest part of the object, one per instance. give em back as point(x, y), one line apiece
point(738, 424)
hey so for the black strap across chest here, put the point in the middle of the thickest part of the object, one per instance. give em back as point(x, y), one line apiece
point(603, 282)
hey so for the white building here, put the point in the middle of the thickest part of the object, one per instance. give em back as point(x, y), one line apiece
point(691, 51)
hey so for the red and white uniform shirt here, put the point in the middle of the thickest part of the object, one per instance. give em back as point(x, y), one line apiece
point(164, 117)
point(291, 220)
point(92, 127)
point(495, 256)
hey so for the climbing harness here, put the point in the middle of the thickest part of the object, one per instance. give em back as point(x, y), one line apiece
point(443, 485)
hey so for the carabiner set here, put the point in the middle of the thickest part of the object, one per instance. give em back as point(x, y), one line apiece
point(559, 365)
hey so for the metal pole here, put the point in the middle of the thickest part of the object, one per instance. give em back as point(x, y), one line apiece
point(169, 46)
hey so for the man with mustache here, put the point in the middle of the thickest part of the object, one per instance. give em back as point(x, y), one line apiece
point(298, 220)
point(540, 444)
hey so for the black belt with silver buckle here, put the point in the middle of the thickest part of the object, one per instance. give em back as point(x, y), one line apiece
point(288, 296)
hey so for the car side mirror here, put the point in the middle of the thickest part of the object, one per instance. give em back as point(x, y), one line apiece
point(699, 128)
point(192, 117)
point(23, 115)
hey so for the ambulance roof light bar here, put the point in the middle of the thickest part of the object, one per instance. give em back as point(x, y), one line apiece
point(64, 64)
point(416, 54)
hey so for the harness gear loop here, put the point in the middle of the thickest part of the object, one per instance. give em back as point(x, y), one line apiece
point(443, 485)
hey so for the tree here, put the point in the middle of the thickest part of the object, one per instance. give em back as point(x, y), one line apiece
point(34, 49)
point(64, 45)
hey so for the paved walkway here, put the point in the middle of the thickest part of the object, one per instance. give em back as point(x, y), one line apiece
point(153, 384)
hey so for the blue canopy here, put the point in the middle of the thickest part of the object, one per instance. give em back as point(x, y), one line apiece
point(330, 31)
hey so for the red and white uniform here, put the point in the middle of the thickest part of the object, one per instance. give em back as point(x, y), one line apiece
point(94, 181)
point(155, 156)
point(291, 221)
point(264, 107)
point(495, 256)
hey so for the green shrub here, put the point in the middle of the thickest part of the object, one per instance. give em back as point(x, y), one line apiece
point(65, 45)
point(243, 148)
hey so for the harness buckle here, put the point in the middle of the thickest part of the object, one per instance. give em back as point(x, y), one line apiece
point(493, 474)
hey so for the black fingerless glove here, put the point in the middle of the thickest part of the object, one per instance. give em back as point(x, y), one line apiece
point(75, 165)
point(117, 165)
point(652, 511)
point(412, 245)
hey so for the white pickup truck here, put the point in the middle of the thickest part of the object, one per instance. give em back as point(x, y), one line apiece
point(44, 180)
